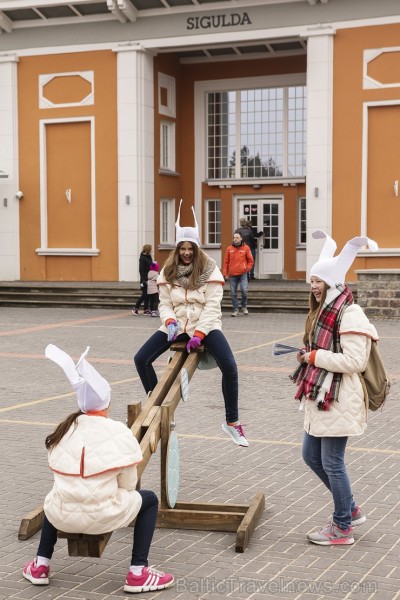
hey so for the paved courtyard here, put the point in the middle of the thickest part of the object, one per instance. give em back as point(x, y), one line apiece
point(279, 562)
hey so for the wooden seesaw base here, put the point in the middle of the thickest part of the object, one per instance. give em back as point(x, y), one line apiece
point(152, 424)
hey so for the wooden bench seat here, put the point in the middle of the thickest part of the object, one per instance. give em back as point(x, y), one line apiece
point(82, 544)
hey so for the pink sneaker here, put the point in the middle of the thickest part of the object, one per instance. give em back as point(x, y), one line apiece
point(357, 517)
point(36, 575)
point(150, 580)
point(332, 535)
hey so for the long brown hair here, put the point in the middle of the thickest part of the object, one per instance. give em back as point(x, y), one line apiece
point(314, 310)
point(147, 249)
point(200, 260)
point(54, 438)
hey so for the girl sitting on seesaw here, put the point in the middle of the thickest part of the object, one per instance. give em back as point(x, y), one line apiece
point(93, 459)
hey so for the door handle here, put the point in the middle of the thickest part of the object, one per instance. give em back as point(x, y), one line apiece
point(68, 195)
point(396, 188)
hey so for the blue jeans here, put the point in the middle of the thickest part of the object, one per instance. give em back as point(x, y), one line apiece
point(142, 533)
point(217, 345)
point(325, 456)
point(243, 281)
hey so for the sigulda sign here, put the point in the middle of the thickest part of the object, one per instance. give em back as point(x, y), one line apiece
point(214, 21)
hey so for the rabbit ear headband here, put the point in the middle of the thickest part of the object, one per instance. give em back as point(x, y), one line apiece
point(92, 390)
point(187, 234)
point(333, 269)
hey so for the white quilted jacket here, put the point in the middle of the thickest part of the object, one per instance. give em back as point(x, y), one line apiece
point(347, 416)
point(193, 309)
point(95, 477)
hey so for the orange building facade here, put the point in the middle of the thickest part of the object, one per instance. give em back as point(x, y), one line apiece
point(283, 112)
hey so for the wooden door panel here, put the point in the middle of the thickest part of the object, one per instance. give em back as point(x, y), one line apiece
point(383, 207)
point(68, 165)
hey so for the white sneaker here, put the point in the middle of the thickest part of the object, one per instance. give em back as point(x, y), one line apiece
point(235, 313)
point(237, 434)
point(245, 311)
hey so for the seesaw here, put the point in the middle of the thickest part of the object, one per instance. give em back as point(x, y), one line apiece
point(151, 424)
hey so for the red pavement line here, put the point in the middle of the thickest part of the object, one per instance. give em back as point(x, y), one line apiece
point(63, 324)
point(114, 361)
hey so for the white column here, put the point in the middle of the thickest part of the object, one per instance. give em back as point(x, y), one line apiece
point(9, 204)
point(135, 105)
point(319, 137)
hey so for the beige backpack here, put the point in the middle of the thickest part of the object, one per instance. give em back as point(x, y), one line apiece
point(375, 379)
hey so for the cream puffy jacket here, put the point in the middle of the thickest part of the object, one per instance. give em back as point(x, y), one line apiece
point(95, 477)
point(347, 416)
point(195, 310)
point(152, 287)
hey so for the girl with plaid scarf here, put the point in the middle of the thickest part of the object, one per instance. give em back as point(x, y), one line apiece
point(337, 343)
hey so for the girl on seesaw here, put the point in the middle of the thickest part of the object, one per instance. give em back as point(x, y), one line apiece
point(93, 459)
point(190, 289)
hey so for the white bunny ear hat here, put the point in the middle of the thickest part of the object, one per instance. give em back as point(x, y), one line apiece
point(333, 269)
point(92, 390)
point(187, 234)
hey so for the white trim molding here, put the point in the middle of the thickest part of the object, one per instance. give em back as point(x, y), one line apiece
point(67, 251)
point(167, 82)
point(45, 79)
point(370, 55)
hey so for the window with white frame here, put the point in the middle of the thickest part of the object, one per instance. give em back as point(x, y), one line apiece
point(167, 221)
point(256, 133)
point(301, 221)
point(166, 95)
point(213, 213)
point(167, 145)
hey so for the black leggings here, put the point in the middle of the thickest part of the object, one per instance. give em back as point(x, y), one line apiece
point(143, 298)
point(216, 344)
point(142, 533)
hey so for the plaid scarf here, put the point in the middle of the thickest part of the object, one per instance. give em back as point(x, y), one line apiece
point(309, 378)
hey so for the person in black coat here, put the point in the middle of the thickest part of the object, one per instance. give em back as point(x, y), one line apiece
point(249, 237)
point(145, 261)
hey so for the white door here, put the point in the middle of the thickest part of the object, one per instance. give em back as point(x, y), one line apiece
point(266, 215)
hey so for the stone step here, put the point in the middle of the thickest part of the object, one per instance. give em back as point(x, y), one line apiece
point(264, 296)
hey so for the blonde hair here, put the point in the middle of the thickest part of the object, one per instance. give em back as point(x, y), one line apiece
point(147, 249)
point(200, 261)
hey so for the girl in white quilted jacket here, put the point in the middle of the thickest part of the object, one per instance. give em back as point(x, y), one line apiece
point(93, 459)
point(190, 288)
point(337, 344)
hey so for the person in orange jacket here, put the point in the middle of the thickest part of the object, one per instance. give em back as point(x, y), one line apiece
point(237, 264)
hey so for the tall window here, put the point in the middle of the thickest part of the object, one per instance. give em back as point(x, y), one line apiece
point(257, 133)
point(301, 222)
point(167, 145)
point(213, 221)
point(167, 221)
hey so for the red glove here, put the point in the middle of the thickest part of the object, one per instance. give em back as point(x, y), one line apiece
point(193, 343)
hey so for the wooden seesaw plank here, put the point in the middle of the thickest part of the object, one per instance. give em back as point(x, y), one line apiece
point(249, 522)
point(160, 391)
point(205, 520)
point(31, 523)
